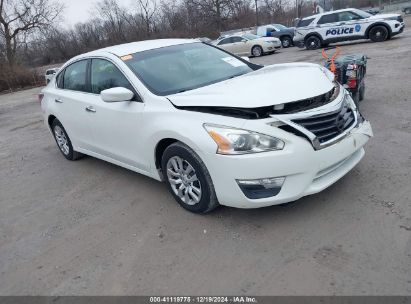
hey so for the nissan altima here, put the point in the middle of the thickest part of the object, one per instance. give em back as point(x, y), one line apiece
point(215, 128)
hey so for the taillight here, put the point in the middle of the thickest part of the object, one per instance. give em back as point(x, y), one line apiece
point(40, 96)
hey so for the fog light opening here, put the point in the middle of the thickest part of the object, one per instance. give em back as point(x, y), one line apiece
point(261, 188)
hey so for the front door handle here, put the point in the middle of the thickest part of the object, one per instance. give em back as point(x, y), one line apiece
point(58, 101)
point(90, 109)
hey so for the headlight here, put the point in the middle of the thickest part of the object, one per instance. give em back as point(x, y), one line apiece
point(238, 141)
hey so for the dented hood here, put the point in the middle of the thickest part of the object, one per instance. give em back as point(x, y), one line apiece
point(270, 85)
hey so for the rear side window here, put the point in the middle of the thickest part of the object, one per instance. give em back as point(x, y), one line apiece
point(305, 22)
point(75, 76)
point(105, 75)
point(330, 18)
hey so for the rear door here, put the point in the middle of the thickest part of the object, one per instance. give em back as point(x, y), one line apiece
point(328, 26)
point(70, 100)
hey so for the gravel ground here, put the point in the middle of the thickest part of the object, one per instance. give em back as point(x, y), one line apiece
point(91, 228)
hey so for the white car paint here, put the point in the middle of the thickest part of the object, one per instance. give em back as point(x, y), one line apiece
point(342, 30)
point(127, 133)
point(237, 92)
point(241, 45)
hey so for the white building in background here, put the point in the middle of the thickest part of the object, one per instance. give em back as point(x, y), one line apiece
point(321, 6)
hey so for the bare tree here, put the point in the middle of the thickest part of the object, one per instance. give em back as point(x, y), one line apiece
point(22, 17)
point(147, 10)
point(114, 18)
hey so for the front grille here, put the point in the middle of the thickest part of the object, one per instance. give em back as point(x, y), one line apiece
point(328, 126)
point(400, 19)
point(309, 103)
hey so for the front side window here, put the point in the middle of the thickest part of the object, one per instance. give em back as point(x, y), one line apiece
point(348, 16)
point(236, 39)
point(105, 75)
point(362, 13)
point(184, 67)
point(305, 22)
point(330, 18)
point(225, 41)
point(75, 76)
point(251, 36)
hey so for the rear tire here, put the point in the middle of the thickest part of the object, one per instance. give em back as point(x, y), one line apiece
point(188, 179)
point(257, 51)
point(379, 33)
point(313, 43)
point(63, 141)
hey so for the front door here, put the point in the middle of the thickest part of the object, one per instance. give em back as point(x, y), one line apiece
point(116, 126)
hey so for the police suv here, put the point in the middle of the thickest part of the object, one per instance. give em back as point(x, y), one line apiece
point(347, 24)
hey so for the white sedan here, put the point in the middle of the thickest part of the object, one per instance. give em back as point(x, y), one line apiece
point(249, 45)
point(205, 123)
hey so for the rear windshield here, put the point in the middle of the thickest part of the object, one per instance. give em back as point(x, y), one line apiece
point(305, 22)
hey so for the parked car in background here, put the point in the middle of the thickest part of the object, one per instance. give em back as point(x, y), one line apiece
point(205, 40)
point(285, 34)
point(373, 10)
point(207, 123)
point(50, 73)
point(407, 10)
point(249, 45)
point(347, 24)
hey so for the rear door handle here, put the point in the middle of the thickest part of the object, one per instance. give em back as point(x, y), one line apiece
point(58, 101)
point(90, 109)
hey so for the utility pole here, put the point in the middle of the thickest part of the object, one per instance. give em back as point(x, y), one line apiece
point(256, 12)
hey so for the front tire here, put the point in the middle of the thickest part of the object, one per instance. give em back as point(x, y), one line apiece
point(286, 42)
point(63, 141)
point(313, 43)
point(187, 179)
point(379, 33)
point(257, 51)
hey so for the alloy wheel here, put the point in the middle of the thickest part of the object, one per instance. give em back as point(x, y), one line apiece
point(183, 180)
point(61, 139)
point(257, 52)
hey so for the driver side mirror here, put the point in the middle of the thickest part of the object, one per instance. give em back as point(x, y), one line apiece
point(243, 40)
point(117, 94)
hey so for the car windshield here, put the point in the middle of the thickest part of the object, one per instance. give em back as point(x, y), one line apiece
point(251, 36)
point(280, 26)
point(362, 13)
point(184, 67)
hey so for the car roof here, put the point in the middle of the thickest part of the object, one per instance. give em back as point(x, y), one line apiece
point(135, 47)
point(328, 13)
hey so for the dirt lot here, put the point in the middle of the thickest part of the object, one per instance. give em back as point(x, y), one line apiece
point(91, 228)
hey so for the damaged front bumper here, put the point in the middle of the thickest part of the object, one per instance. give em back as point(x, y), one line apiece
point(305, 170)
point(305, 166)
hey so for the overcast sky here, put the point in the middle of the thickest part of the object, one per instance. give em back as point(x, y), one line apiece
point(80, 10)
